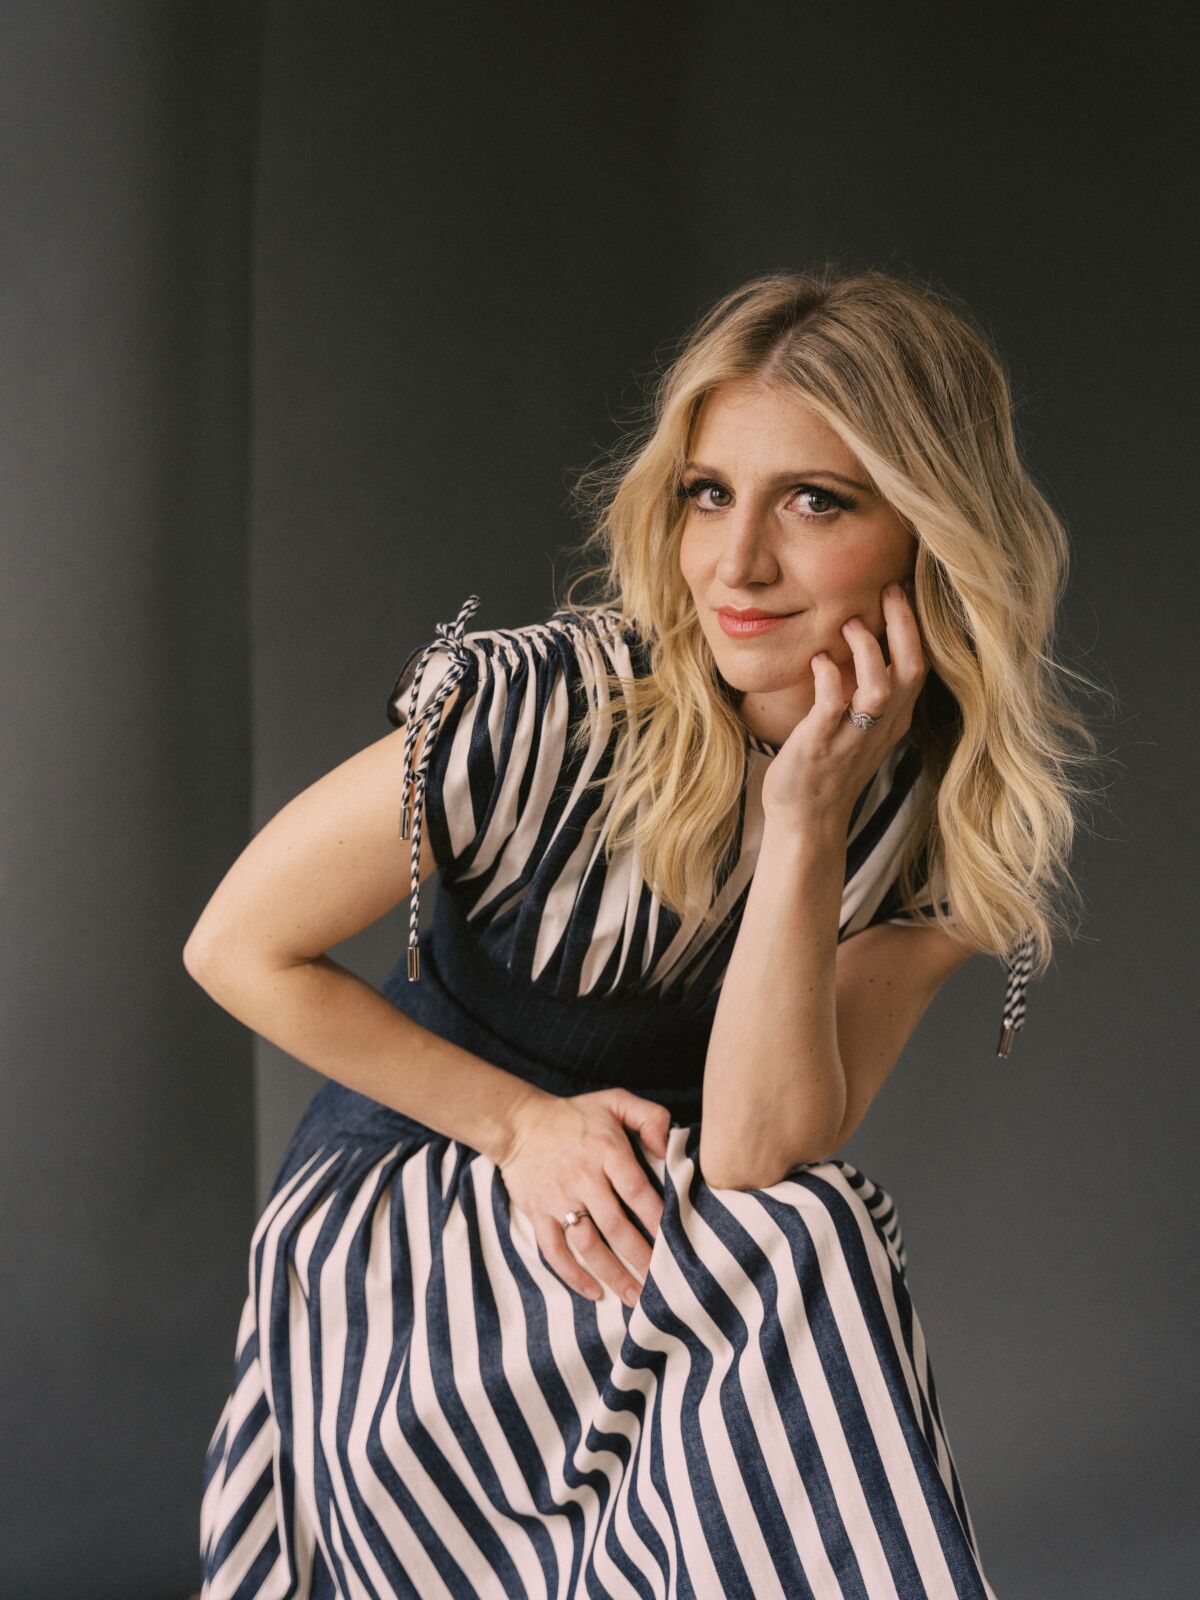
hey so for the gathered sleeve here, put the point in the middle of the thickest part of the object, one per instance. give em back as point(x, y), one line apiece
point(486, 760)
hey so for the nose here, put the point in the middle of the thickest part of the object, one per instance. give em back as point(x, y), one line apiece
point(746, 553)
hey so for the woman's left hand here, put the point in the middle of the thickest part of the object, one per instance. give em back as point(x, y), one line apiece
point(826, 762)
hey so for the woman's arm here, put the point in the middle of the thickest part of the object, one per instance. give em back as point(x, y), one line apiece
point(331, 1019)
point(806, 1030)
point(329, 864)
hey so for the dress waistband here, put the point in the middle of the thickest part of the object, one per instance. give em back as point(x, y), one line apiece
point(635, 1042)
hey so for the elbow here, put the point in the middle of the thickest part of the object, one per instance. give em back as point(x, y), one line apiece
point(767, 1168)
point(197, 957)
point(202, 952)
point(222, 964)
point(716, 1169)
point(742, 1180)
point(734, 1180)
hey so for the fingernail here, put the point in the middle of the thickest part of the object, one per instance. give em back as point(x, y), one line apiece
point(895, 591)
point(631, 1297)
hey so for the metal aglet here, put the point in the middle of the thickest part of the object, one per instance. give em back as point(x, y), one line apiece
point(1007, 1032)
point(414, 963)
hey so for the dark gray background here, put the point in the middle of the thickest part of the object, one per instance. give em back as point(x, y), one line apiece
point(310, 315)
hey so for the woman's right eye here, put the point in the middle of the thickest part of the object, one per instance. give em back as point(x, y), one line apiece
point(691, 491)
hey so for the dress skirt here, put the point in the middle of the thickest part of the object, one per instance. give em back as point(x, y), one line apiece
point(421, 1407)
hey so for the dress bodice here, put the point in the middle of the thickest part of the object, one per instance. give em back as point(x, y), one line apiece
point(537, 923)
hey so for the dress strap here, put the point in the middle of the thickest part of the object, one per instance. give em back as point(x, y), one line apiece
point(445, 635)
point(1019, 967)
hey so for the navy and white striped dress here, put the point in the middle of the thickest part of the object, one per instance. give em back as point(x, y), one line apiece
point(420, 1407)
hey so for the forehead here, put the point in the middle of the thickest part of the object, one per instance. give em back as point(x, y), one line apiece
point(750, 424)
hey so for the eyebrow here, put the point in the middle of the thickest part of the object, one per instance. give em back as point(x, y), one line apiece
point(788, 477)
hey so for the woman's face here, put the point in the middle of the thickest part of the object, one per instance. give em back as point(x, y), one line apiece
point(782, 519)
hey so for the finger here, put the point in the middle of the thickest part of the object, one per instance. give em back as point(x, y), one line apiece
point(656, 1131)
point(870, 669)
point(627, 1186)
point(649, 1120)
point(623, 1240)
point(618, 1230)
point(829, 697)
point(552, 1242)
point(639, 1192)
point(589, 1241)
point(904, 637)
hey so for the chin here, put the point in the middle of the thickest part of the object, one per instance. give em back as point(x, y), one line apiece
point(745, 680)
point(753, 662)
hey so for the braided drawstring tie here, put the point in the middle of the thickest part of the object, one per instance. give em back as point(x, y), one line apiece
point(1019, 968)
point(450, 635)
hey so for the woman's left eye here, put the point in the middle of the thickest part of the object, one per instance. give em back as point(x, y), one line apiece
point(833, 502)
point(823, 494)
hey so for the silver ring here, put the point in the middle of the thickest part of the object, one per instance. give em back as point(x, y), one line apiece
point(574, 1216)
point(862, 719)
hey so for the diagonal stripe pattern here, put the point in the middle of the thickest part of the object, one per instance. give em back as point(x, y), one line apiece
point(422, 1408)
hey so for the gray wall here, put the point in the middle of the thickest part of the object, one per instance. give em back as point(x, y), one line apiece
point(127, 1123)
point(297, 358)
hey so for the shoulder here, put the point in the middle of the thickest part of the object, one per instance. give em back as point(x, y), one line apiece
point(567, 647)
point(574, 639)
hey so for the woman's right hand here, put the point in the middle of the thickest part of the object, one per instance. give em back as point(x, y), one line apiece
point(572, 1153)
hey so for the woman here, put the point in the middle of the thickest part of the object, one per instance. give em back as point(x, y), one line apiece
point(561, 1289)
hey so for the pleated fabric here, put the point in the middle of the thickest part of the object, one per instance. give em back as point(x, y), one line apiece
point(422, 1408)
point(515, 830)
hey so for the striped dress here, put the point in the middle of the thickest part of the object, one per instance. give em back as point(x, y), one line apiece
point(420, 1407)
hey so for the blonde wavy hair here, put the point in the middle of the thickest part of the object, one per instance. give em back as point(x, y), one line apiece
point(913, 385)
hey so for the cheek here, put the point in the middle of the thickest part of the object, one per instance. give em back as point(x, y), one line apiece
point(830, 574)
point(691, 555)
